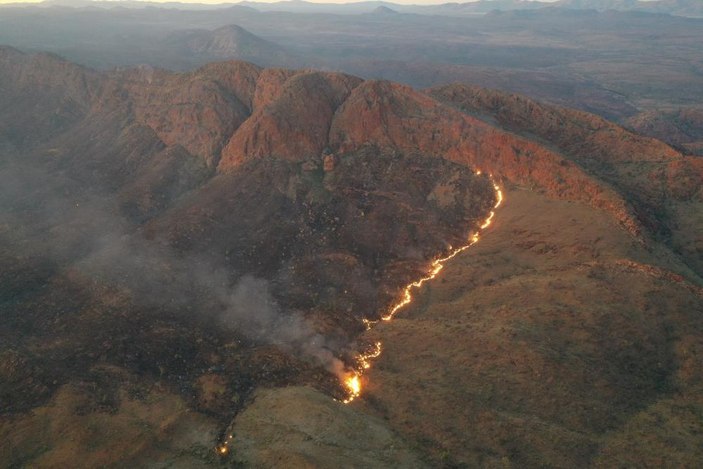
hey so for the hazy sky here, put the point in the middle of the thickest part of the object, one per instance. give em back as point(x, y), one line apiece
point(411, 2)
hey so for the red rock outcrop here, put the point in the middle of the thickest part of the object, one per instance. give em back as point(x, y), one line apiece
point(198, 111)
point(42, 96)
point(232, 112)
point(238, 78)
point(391, 115)
point(293, 125)
point(270, 85)
point(605, 149)
point(46, 73)
point(583, 135)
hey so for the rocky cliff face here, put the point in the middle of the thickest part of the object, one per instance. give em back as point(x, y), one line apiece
point(42, 96)
point(153, 136)
point(197, 111)
point(292, 139)
point(398, 117)
point(293, 121)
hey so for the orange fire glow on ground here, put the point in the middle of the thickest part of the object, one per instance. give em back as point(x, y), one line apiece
point(223, 448)
point(352, 381)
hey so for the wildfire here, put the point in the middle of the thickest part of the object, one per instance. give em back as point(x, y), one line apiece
point(223, 448)
point(438, 264)
point(366, 358)
point(352, 381)
point(353, 385)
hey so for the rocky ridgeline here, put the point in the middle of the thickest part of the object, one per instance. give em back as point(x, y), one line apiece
point(229, 113)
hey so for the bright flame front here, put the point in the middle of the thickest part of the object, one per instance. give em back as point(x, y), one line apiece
point(353, 385)
point(352, 381)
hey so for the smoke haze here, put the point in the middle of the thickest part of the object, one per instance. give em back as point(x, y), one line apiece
point(43, 215)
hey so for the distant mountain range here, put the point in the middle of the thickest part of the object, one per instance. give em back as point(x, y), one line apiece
point(613, 63)
point(672, 7)
point(693, 8)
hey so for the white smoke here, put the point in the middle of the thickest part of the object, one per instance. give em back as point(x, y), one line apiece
point(84, 232)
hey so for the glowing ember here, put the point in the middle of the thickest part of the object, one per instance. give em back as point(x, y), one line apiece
point(352, 381)
point(223, 448)
point(365, 359)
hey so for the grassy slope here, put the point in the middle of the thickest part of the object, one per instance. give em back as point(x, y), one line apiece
point(555, 341)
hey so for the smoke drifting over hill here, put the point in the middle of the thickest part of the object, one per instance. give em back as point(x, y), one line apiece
point(83, 232)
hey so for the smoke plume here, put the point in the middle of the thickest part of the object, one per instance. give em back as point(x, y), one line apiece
point(46, 214)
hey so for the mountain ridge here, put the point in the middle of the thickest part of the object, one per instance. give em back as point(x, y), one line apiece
point(198, 115)
point(198, 236)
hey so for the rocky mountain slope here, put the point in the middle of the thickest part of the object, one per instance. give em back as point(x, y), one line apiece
point(197, 236)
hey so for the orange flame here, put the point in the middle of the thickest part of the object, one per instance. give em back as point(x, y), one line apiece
point(353, 384)
point(223, 448)
point(352, 381)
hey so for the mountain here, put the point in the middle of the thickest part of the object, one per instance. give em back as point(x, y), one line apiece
point(384, 10)
point(671, 7)
point(229, 42)
point(300, 6)
point(690, 8)
point(649, 62)
point(206, 250)
point(571, 90)
point(601, 4)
